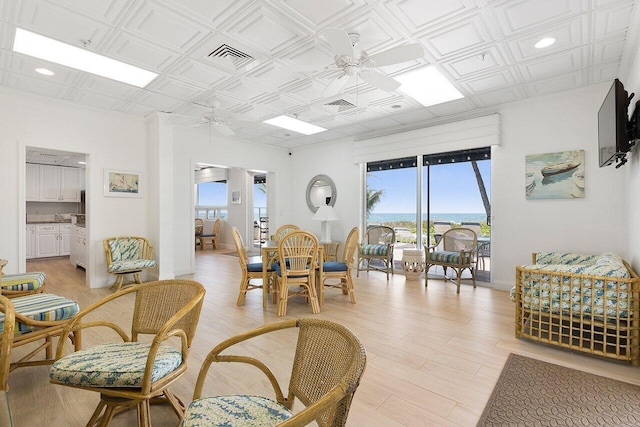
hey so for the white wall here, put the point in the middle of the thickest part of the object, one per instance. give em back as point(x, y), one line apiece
point(110, 140)
point(566, 121)
point(192, 146)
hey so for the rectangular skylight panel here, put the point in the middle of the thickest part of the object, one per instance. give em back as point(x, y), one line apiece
point(51, 50)
point(295, 125)
point(428, 86)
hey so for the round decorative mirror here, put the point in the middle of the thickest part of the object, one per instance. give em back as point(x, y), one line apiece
point(321, 191)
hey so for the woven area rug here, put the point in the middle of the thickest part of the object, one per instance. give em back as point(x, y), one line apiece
point(530, 392)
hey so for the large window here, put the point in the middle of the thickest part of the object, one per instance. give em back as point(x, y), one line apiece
point(211, 200)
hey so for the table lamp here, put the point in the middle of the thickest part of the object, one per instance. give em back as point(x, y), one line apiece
point(325, 214)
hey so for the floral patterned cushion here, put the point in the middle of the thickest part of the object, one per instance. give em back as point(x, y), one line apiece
point(124, 266)
point(113, 365)
point(565, 258)
point(23, 282)
point(230, 411)
point(124, 249)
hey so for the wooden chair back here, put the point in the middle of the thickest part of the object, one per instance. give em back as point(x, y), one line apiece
point(300, 250)
point(6, 340)
point(351, 245)
point(283, 230)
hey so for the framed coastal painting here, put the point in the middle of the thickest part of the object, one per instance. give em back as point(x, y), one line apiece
point(555, 175)
point(121, 183)
point(236, 197)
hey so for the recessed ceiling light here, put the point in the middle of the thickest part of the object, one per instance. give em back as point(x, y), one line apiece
point(295, 125)
point(51, 50)
point(45, 71)
point(545, 42)
point(428, 86)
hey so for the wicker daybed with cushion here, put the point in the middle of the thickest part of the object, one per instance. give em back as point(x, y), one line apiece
point(587, 303)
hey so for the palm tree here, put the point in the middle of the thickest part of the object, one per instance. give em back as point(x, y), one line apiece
point(373, 198)
point(483, 190)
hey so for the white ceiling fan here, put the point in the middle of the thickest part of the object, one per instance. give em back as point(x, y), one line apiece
point(218, 120)
point(358, 63)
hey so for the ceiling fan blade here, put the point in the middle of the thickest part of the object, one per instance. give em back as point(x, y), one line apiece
point(339, 41)
point(336, 85)
point(396, 55)
point(379, 80)
point(225, 130)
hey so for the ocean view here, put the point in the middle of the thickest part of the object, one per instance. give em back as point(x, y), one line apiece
point(410, 217)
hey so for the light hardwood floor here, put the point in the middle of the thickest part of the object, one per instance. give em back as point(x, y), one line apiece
point(433, 356)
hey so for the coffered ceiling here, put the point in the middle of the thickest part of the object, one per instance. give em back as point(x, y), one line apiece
point(260, 59)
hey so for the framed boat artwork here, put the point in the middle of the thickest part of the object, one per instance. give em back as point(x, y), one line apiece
point(555, 175)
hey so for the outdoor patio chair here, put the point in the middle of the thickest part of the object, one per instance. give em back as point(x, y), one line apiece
point(377, 245)
point(328, 363)
point(439, 227)
point(458, 252)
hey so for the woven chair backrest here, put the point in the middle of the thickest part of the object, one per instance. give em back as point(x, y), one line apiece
point(380, 234)
point(300, 250)
point(6, 340)
point(216, 226)
point(459, 239)
point(327, 354)
point(350, 245)
point(158, 302)
point(283, 230)
point(199, 226)
point(242, 251)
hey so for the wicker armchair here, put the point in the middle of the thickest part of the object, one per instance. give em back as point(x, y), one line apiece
point(249, 271)
point(328, 364)
point(377, 245)
point(199, 228)
point(212, 238)
point(282, 230)
point(340, 270)
point(6, 343)
point(300, 250)
point(129, 372)
point(458, 252)
point(128, 255)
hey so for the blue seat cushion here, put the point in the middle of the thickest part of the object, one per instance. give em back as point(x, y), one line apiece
point(448, 257)
point(254, 267)
point(374, 249)
point(113, 365)
point(207, 235)
point(334, 266)
point(231, 411)
point(22, 282)
point(41, 307)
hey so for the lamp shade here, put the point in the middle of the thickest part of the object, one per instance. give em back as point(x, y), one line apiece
point(325, 213)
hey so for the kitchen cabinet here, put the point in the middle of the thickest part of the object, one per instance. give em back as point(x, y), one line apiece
point(30, 240)
point(78, 246)
point(52, 240)
point(59, 184)
point(32, 190)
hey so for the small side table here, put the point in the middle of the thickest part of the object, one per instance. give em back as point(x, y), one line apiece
point(3, 262)
point(413, 263)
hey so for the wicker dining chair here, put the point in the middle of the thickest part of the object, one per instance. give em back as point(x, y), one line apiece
point(6, 344)
point(127, 255)
point(250, 271)
point(198, 230)
point(283, 230)
point(328, 364)
point(211, 238)
point(377, 245)
point(299, 251)
point(129, 372)
point(21, 284)
point(340, 270)
point(458, 252)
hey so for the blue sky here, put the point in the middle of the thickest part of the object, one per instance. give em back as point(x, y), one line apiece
point(453, 188)
point(215, 194)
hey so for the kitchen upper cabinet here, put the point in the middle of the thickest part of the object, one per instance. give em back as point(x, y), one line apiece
point(59, 184)
point(33, 183)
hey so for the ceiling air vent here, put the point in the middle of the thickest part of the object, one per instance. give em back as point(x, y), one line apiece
point(342, 104)
point(238, 57)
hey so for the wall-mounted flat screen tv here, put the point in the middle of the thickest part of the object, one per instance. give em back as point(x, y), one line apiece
point(613, 126)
